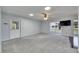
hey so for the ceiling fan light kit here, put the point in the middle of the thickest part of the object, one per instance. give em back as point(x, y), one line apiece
point(46, 18)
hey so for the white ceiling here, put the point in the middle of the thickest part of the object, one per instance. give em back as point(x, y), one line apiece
point(55, 12)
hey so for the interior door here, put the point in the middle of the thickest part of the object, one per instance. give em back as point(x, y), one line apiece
point(14, 29)
point(5, 31)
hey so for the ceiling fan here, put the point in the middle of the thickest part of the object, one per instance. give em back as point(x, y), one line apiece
point(45, 15)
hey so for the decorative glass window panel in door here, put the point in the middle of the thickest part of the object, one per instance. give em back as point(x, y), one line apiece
point(15, 25)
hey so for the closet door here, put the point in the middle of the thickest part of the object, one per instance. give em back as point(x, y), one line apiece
point(5, 30)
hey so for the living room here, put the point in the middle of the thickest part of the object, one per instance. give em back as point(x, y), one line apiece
point(39, 29)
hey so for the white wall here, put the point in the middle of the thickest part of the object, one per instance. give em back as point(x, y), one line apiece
point(0, 30)
point(45, 28)
point(66, 30)
point(28, 27)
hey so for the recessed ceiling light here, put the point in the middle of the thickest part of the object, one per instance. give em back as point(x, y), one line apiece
point(31, 14)
point(47, 8)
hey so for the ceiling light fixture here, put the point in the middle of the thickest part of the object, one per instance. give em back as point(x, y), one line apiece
point(47, 8)
point(46, 18)
point(31, 14)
